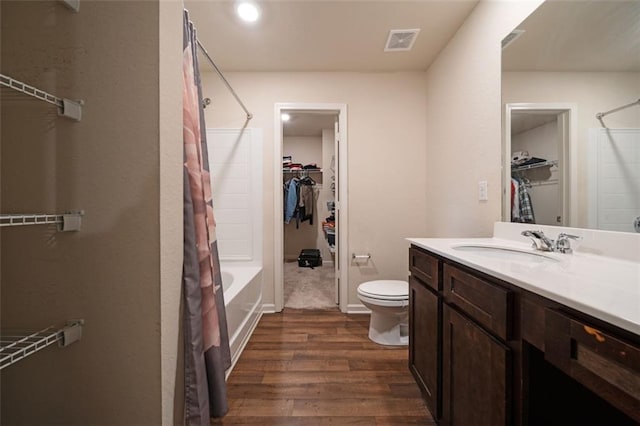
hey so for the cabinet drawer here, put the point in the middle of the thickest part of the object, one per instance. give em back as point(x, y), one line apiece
point(425, 268)
point(487, 303)
point(599, 360)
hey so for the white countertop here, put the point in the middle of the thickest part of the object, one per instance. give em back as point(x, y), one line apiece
point(606, 288)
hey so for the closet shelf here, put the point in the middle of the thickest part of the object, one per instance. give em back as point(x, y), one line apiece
point(550, 163)
point(66, 107)
point(302, 170)
point(70, 221)
point(17, 346)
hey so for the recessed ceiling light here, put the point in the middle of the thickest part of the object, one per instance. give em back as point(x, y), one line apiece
point(248, 11)
point(285, 117)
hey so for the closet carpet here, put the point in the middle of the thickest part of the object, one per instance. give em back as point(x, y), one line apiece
point(307, 288)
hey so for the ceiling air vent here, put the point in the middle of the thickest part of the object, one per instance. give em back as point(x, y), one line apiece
point(513, 35)
point(401, 40)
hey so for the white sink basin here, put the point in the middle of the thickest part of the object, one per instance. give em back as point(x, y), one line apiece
point(506, 253)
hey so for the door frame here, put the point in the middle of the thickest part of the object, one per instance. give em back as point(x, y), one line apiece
point(569, 161)
point(341, 203)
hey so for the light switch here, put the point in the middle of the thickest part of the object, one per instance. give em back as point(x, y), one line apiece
point(483, 192)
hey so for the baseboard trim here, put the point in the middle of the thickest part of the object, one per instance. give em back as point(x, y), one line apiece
point(268, 308)
point(357, 308)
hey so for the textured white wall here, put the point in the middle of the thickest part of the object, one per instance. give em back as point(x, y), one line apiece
point(464, 122)
point(386, 155)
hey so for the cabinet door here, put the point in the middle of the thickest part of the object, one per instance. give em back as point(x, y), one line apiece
point(476, 374)
point(425, 342)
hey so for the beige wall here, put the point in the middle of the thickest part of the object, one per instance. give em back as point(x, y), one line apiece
point(171, 186)
point(386, 134)
point(463, 122)
point(592, 92)
point(109, 164)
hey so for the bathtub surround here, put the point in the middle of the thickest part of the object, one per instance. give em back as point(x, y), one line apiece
point(207, 354)
point(235, 158)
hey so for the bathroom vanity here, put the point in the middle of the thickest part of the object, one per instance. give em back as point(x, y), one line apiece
point(502, 334)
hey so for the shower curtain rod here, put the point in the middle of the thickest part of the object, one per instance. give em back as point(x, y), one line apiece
point(602, 114)
point(215, 67)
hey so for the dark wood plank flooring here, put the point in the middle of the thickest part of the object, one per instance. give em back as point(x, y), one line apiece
point(320, 368)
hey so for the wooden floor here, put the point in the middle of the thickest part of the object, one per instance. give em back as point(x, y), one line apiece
point(320, 368)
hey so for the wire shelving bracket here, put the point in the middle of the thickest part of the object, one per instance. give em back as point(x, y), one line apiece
point(70, 221)
point(66, 107)
point(549, 163)
point(17, 346)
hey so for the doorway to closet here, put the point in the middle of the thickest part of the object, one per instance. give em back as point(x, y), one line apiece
point(310, 226)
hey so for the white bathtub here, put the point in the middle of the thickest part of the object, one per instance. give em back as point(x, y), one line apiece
point(242, 286)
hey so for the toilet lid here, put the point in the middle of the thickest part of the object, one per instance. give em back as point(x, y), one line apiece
point(385, 289)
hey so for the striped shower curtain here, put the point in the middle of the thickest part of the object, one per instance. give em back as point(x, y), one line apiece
point(207, 354)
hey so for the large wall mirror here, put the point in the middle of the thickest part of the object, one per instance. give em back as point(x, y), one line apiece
point(571, 116)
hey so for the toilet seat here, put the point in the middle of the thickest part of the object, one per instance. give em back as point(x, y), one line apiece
point(385, 290)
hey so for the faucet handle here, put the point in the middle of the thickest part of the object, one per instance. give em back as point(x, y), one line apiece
point(562, 242)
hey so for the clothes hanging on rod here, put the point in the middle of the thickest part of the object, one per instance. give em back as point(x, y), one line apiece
point(521, 205)
point(299, 200)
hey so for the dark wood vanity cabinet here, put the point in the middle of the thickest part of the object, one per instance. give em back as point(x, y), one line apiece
point(425, 315)
point(476, 361)
point(476, 372)
point(486, 352)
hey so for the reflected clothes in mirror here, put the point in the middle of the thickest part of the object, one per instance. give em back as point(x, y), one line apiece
point(521, 205)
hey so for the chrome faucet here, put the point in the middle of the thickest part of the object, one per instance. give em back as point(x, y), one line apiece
point(543, 243)
point(540, 241)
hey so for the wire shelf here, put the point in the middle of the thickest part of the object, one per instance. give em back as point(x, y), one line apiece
point(16, 346)
point(550, 163)
point(66, 107)
point(70, 221)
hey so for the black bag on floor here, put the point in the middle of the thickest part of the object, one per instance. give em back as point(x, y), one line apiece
point(309, 258)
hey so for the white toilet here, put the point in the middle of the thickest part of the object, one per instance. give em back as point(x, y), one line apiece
point(388, 301)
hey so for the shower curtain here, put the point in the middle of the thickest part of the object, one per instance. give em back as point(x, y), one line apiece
point(207, 353)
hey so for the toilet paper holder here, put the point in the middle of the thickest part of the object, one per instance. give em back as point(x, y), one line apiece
point(360, 256)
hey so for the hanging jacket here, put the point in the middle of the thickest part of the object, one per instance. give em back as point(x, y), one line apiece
point(290, 199)
point(306, 203)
